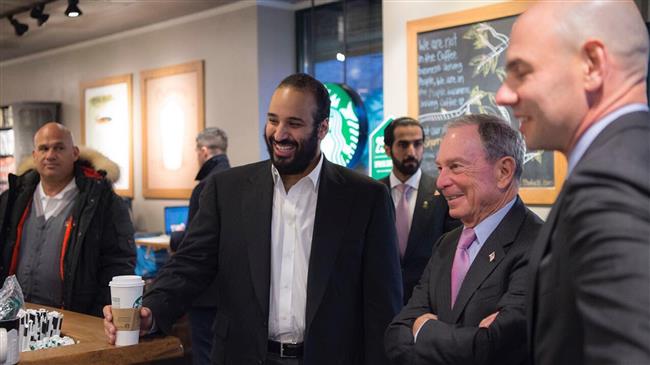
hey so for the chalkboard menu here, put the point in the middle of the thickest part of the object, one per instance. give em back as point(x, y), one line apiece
point(456, 66)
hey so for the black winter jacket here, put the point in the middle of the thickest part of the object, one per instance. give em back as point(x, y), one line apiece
point(101, 242)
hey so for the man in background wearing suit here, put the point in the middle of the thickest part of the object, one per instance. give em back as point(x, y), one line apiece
point(589, 294)
point(468, 308)
point(421, 214)
point(211, 148)
point(303, 251)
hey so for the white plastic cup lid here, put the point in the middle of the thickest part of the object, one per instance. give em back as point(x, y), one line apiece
point(126, 281)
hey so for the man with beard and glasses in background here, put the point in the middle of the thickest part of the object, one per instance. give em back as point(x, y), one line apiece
point(421, 213)
point(303, 251)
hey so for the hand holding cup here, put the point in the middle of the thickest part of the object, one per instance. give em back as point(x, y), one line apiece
point(146, 321)
point(122, 319)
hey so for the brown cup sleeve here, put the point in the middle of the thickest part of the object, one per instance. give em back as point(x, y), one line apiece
point(127, 319)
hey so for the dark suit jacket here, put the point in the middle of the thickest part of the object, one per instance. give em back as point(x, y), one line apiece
point(590, 284)
point(353, 285)
point(212, 166)
point(430, 220)
point(489, 286)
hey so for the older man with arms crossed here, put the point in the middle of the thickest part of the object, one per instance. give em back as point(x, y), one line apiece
point(468, 307)
point(590, 285)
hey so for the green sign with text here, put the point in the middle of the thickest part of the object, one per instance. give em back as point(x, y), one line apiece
point(379, 164)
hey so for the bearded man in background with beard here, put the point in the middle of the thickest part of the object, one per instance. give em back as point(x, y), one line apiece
point(422, 214)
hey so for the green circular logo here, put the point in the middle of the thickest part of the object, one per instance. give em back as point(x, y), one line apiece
point(348, 126)
point(138, 302)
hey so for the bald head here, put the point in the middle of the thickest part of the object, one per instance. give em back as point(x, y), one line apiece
point(569, 64)
point(616, 23)
point(54, 156)
point(54, 128)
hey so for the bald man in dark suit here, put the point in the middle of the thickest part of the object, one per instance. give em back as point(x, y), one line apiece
point(590, 274)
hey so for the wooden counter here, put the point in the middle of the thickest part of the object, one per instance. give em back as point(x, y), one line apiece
point(155, 243)
point(93, 347)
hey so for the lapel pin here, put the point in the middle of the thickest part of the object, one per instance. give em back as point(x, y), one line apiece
point(492, 256)
point(425, 204)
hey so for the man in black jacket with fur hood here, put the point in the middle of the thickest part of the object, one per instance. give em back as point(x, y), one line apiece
point(64, 232)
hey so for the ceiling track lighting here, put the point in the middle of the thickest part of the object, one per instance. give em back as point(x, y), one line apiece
point(73, 10)
point(37, 13)
point(19, 27)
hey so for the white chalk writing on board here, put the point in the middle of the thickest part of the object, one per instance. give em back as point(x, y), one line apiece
point(459, 71)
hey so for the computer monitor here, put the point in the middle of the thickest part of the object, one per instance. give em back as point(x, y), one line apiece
point(174, 217)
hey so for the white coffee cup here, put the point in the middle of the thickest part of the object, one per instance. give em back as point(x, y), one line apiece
point(126, 300)
point(9, 342)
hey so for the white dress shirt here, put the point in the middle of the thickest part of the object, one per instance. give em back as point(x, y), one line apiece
point(414, 183)
point(52, 205)
point(292, 227)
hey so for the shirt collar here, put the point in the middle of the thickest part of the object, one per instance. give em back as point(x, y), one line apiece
point(72, 185)
point(485, 228)
point(592, 132)
point(314, 175)
point(413, 181)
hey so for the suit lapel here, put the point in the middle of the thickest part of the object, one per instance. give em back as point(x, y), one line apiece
point(421, 214)
point(331, 215)
point(489, 257)
point(257, 206)
point(536, 254)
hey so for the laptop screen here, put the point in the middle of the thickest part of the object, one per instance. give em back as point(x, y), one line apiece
point(174, 217)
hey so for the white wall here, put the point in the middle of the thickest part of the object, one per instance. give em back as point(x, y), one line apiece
point(396, 13)
point(247, 50)
point(277, 50)
point(226, 38)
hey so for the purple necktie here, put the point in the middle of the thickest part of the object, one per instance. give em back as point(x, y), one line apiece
point(402, 218)
point(461, 262)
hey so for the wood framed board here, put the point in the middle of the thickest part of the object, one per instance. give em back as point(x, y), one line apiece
point(107, 124)
point(456, 64)
point(172, 116)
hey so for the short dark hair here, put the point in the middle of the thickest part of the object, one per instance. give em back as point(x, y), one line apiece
point(389, 131)
point(499, 139)
point(304, 82)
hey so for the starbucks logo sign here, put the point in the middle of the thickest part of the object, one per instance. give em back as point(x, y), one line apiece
point(348, 126)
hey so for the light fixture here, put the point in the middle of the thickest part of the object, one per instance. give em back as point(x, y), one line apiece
point(19, 27)
point(37, 13)
point(73, 10)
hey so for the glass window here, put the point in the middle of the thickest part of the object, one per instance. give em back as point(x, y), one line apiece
point(342, 42)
